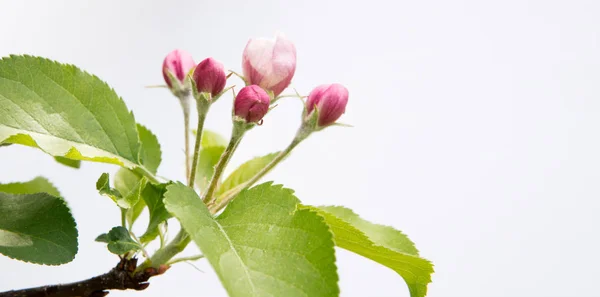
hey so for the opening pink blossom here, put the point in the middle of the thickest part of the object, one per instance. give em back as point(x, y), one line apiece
point(269, 63)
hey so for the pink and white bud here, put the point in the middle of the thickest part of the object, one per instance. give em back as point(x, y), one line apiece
point(178, 63)
point(330, 101)
point(251, 103)
point(209, 76)
point(269, 63)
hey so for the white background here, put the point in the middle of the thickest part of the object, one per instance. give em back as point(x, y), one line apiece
point(476, 129)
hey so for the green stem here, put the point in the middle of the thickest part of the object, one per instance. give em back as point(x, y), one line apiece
point(185, 106)
point(236, 137)
point(223, 201)
point(202, 111)
point(181, 240)
point(183, 259)
point(162, 238)
point(136, 239)
point(124, 218)
point(162, 256)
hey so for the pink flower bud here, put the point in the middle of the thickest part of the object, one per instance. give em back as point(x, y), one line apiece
point(269, 63)
point(330, 101)
point(179, 63)
point(251, 103)
point(209, 76)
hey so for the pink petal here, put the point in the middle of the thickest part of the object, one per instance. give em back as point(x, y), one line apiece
point(270, 64)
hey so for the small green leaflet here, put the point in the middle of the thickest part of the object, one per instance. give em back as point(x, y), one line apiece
point(245, 172)
point(261, 245)
point(40, 228)
point(153, 197)
point(128, 188)
point(134, 213)
point(119, 241)
point(103, 186)
point(65, 112)
point(379, 243)
point(130, 185)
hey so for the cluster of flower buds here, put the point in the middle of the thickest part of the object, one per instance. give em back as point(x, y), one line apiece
point(268, 68)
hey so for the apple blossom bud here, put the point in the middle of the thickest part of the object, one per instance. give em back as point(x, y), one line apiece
point(251, 103)
point(330, 101)
point(178, 63)
point(210, 76)
point(269, 63)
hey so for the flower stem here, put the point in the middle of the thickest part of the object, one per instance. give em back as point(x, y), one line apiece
point(223, 201)
point(202, 111)
point(236, 137)
point(185, 106)
point(181, 240)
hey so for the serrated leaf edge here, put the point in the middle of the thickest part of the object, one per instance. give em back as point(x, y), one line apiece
point(374, 245)
point(73, 152)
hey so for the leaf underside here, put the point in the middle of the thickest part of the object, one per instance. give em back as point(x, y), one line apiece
point(65, 112)
point(379, 243)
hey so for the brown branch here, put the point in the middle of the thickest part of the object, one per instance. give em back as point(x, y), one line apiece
point(121, 277)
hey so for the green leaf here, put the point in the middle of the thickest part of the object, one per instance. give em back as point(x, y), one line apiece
point(245, 172)
point(128, 182)
point(68, 162)
point(150, 156)
point(36, 228)
point(38, 184)
point(134, 213)
point(153, 196)
point(150, 153)
point(128, 188)
point(382, 244)
point(211, 138)
point(209, 157)
point(119, 241)
point(261, 245)
point(103, 186)
point(103, 238)
point(65, 112)
point(130, 185)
